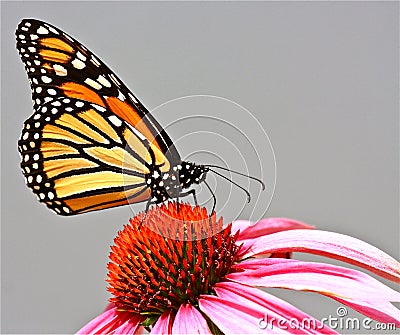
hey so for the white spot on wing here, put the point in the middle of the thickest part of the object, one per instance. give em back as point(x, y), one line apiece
point(80, 56)
point(60, 70)
point(46, 79)
point(99, 108)
point(136, 132)
point(78, 64)
point(114, 79)
point(68, 37)
point(95, 61)
point(42, 31)
point(92, 83)
point(53, 30)
point(121, 96)
point(103, 81)
point(115, 120)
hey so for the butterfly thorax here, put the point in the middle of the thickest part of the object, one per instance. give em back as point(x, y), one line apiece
point(170, 184)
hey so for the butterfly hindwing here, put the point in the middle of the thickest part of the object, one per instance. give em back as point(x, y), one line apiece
point(73, 153)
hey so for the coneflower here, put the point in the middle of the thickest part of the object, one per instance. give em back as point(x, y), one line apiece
point(184, 273)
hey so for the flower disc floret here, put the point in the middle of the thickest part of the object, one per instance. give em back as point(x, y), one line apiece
point(177, 255)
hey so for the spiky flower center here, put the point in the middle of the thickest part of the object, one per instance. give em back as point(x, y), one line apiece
point(179, 253)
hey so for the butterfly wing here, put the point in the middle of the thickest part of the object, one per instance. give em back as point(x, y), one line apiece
point(87, 127)
point(72, 153)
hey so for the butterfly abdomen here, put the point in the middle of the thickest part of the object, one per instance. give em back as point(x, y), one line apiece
point(170, 184)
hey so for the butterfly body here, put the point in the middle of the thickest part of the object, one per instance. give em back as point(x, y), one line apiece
point(170, 184)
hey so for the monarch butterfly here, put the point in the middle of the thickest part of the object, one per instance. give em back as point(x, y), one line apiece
point(86, 125)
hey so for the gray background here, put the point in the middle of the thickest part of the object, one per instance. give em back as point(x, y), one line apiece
point(322, 78)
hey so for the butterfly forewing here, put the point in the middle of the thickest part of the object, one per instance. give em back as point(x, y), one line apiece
point(60, 66)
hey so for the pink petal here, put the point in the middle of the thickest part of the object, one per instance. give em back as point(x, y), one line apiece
point(164, 324)
point(239, 309)
point(128, 327)
point(233, 318)
point(250, 230)
point(188, 320)
point(329, 244)
point(353, 288)
point(109, 321)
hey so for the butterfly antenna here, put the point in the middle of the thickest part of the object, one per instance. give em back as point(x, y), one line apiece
point(231, 181)
point(239, 173)
point(215, 199)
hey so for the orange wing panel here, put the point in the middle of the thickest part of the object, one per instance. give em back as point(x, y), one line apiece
point(54, 56)
point(74, 90)
point(127, 113)
point(114, 199)
point(56, 43)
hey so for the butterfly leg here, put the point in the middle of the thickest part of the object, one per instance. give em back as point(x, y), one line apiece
point(214, 198)
point(149, 202)
point(192, 192)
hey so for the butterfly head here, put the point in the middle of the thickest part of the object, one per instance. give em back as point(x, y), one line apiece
point(191, 173)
